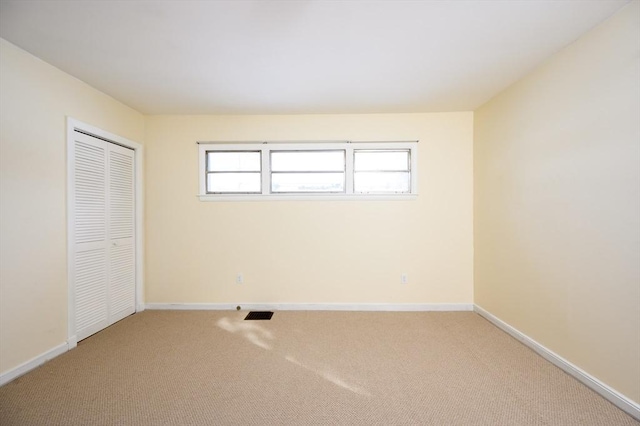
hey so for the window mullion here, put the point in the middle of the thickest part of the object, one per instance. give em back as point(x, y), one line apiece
point(349, 172)
point(265, 172)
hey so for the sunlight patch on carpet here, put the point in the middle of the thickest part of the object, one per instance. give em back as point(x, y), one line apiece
point(331, 377)
point(251, 331)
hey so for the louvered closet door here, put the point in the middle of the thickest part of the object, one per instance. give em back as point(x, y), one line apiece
point(104, 256)
point(122, 274)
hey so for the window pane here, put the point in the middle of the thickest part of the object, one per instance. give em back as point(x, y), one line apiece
point(307, 161)
point(307, 182)
point(381, 160)
point(381, 182)
point(234, 182)
point(220, 161)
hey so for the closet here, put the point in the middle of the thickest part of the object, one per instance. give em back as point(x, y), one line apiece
point(102, 221)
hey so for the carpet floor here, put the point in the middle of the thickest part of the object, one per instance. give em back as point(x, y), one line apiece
point(302, 368)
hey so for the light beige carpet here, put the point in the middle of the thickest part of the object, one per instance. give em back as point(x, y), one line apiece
point(303, 368)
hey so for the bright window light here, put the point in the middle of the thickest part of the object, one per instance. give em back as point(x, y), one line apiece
point(234, 172)
point(307, 171)
point(382, 171)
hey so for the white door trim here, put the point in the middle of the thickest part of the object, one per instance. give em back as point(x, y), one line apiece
point(72, 126)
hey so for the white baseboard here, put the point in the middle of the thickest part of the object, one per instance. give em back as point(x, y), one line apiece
point(72, 342)
point(25, 367)
point(397, 307)
point(611, 395)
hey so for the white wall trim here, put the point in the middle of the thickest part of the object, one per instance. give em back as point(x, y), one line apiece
point(380, 307)
point(25, 367)
point(72, 342)
point(611, 395)
point(72, 125)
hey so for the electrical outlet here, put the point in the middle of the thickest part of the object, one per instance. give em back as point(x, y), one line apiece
point(404, 279)
point(239, 279)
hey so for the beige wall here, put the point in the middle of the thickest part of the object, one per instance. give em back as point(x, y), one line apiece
point(557, 203)
point(310, 251)
point(35, 100)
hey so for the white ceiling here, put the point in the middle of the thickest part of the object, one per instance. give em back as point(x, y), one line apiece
point(282, 57)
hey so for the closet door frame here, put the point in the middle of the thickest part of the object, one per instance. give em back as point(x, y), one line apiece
point(74, 125)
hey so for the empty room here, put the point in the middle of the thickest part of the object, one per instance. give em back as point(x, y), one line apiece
point(320, 212)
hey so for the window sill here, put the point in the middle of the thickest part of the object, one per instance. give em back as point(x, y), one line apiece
point(308, 197)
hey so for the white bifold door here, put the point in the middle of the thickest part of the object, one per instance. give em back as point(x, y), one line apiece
point(103, 233)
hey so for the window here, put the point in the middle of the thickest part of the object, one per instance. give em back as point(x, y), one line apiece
point(308, 171)
point(335, 170)
point(382, 171)
point(234, 172)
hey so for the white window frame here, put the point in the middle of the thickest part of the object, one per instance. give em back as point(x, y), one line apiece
point(267, 147)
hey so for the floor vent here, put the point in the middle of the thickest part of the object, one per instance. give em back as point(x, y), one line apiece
point(259, 315)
